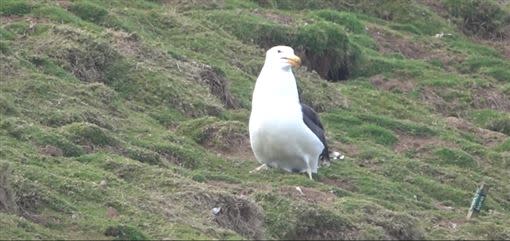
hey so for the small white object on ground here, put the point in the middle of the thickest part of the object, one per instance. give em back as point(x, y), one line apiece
point(299, 190)
point(216, 211)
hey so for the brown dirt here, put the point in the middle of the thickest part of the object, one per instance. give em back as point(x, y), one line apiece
point(230, 140)
point(430, 96)
point(490, 138)
point(275, 17)
point(219, 86)
point(127, 44)
point(50, 150)
point(491, 98)
point(341, 183)
point(112, 213)
point(320, 224)
point(345, 149)
point(418, 144)
point(436, 6)
point(309, 195)
point(382, 83)
point(239, 214)
point(391, 43)
point(193, 4)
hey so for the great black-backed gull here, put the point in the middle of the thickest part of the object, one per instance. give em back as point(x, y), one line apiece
point(284, 133)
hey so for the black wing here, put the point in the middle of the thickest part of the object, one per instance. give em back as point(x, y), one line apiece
point(313, 122)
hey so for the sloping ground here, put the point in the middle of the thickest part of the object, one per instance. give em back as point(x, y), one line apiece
point(128, 119)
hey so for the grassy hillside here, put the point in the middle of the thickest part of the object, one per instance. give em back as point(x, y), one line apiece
point(128, 119)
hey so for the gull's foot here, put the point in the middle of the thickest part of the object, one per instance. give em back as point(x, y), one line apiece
point(261, 167)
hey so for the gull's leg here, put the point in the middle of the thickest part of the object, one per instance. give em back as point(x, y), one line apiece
point(309, 169)
point(261, 167)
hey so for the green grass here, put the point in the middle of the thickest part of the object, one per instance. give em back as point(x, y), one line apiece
point(104, 106)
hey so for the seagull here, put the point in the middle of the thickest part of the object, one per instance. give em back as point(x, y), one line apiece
point(284, 133)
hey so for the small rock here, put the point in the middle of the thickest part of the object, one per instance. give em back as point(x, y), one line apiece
point(216, 211)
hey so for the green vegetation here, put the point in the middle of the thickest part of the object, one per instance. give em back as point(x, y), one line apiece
point(128, 119)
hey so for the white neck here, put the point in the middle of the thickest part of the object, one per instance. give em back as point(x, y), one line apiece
point(275, 87)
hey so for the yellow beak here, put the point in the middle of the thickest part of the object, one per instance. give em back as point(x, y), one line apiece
point(294, 60)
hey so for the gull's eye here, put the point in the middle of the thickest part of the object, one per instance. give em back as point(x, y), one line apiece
point(279, 51)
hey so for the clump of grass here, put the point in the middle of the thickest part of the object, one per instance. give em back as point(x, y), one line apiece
point(346, 19)
point(376, 133)
point(319, 223)
point(7, 106)
point(6, 34)
point(15, 7)
point(328, 50)
point(213, 133)
point(455, 157)
point(89, 11)
point(500, 125)
point(68, 148)
point(56, 14)
point(480, 18)
point(7, 199)
point(143, 155)
point(254, 29)
point(125, 232)
point(402, 126)
point(499, 73)
point(88, 133)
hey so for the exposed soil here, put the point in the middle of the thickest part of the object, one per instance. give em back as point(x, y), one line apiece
point(127, 44)
point(309, 195)
point(391, 43)
point(219, 86)
point(230, 140)
point(489, 138)
point(490, 98)
point(275, 17)
point(418, 144)
point(319, 224)
point(433, 50)
point(382, 83)
point(430, 96)
point(50, 150)
point(239, 214)
point(341, 183)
